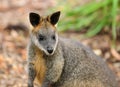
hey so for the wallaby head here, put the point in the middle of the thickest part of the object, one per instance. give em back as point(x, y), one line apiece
point(44, 34)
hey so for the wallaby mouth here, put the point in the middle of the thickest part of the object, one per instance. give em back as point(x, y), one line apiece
point(49, 52)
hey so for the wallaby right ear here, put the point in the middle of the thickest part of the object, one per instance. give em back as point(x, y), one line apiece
point(34, 19)
point(54, 18)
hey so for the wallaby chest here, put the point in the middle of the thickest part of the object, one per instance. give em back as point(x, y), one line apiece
point(39, 65)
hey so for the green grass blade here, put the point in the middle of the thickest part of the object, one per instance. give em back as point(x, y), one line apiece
point(97, 28)
point(87, 9)
point(78, 23)
point(114, 13)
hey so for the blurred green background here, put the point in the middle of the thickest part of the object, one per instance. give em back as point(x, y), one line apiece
point(90, 16)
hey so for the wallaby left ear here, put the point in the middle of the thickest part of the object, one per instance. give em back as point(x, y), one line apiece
point(54, 17)
point(34, 19)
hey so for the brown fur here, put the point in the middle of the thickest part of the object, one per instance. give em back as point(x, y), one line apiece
point(39, 66)
point(44, 22)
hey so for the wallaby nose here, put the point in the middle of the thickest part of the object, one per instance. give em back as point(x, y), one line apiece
point(49, 49)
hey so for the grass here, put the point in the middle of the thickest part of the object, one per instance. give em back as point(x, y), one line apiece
point(93, 17)
point(114, 13)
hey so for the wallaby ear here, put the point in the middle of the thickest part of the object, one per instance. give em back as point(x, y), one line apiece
point(54, 17)
point(34, 19)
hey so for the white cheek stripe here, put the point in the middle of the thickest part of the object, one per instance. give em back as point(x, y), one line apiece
point(56, 43)
point(36, 42)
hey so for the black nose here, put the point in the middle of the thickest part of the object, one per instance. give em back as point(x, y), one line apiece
point(49, 49)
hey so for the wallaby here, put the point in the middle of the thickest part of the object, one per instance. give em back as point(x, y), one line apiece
point(60, 62)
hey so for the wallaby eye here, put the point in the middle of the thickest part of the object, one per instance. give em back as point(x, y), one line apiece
point(41, 38)
point(53, 37)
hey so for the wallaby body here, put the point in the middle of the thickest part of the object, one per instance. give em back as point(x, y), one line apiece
point(59, 62)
